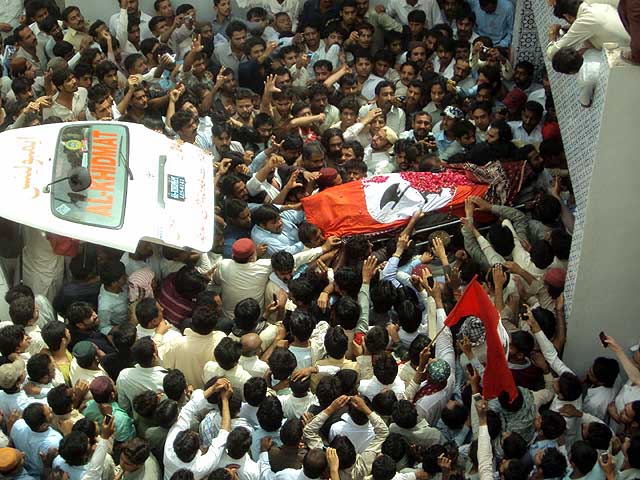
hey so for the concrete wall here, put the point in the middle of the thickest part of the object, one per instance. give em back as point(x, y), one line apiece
point(606, 295)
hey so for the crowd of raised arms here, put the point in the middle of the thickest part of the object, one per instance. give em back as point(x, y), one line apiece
point(285, 353)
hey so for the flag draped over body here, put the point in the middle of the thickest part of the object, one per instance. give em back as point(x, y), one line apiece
point(497, 376)
point(386, 202)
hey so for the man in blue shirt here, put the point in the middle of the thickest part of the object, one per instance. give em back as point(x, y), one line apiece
point(278, 230)
point(494, 19)
point(238, 218)
point(33, 435)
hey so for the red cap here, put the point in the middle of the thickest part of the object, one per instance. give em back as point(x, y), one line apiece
point(555, 277)
point(327, 176)
point(419, 269)
point(551, 130)
point(515, 99)
point(243, 248)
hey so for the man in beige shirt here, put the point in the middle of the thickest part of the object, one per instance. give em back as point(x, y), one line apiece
point(76, 28)
point(191, 352)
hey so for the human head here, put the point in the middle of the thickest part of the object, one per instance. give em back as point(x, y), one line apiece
point(174, 384)
point(282, 363)
point(567, 60)
point(135, 452)
point(227, 353)
point(238, 442)
point(13, 339)
point(204, 319)
point(270, 414)
point(74, 448)
point(102, 389)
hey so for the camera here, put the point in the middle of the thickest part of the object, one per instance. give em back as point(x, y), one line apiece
point(485, 50)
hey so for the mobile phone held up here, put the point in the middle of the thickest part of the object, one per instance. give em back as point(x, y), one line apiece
point(603, 339)
point(108, 418)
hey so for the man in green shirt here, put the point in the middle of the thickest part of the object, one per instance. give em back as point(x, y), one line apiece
point(105, 403)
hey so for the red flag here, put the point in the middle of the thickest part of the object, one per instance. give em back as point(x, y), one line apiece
point(385, 202)
point(497, 376)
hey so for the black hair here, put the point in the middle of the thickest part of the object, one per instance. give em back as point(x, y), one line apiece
point(405, 414)
point(111, 272)
point(38, 367)
point(416, 346)
point(501, 239)
point(345, 450)
point(516, 470)
point(553, 463)
point(348, 381)
point(255, 391)
point(34, 416)
point(11, 337)
point(227, 353)
point(167, 413)
point(270, 414)
point(560, 244)
point(633, 451)
point(583, 456)
point(282, 363)
point(430, 459)
point(547, 209)
point(455, 417)
point(598, 435)
point(78, 312)
point(22, 310)
point(300, 387)
point(547, 321)
point(247, 314)
point(314, 463)
point(566, 7)
point(384, 402)
point(336, 342)
point(301, 291)
point(409, 317)
point(74, 448)
point(136, 450)
point(186, 445)
point(569, 386)
point(329, 388)
point(301, 325)
point(203, 319)
point(145, 403)
point(184, 474)
point(606, 370)
point(146, 311)
point(376, 340)
point(282, 262)
point(396, 446)
point(383, 467)
point(385, 369)
point(523, 342)
point(552, 424)
point(189, 282)
point(347, 312)
point(124, 336)
point(60, 399)
point(567, 60)
point(143, 352)
point(174, 384)
point(238, 442)
point(291, 432)
point(514, 446)
point(383, 296)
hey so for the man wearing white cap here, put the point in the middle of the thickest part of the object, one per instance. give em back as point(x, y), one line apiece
point(379, 155)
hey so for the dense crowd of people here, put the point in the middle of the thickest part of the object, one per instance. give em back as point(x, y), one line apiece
point(286, 353)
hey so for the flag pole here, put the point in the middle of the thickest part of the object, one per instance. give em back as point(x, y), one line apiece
point(437, 335)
